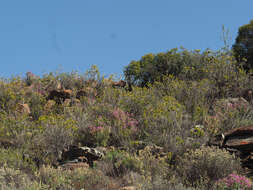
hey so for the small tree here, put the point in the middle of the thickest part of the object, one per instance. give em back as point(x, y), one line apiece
point(243, 47)
point(152, 67)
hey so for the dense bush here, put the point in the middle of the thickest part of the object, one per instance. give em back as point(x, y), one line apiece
point(77, 179)
point(242, 47)
point(15, 179)
point(118, 163)
point(207, 165)
point(11, 94)
point(152, 67)
point(55, 133)
point(228, 116)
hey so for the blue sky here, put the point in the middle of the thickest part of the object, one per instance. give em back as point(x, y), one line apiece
point(45, 36)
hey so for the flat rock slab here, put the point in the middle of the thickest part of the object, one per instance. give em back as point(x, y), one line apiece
point(77, 154)
point(239, 140)
point(241, 143)
point(241, 131)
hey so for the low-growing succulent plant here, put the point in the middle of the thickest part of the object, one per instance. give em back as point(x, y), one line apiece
point(234, 182)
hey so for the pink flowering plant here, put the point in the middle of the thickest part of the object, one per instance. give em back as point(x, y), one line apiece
point(234, 182)
point(114, 125)
point(100, 134)
point(123, 124)
point(227, 114)
point(100, 131)
point(124, 119)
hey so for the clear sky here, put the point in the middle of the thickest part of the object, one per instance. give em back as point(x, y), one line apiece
point(45, 36)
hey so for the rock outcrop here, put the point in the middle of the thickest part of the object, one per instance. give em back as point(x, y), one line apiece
point(120, 84)
point(76, 156)
point(23, 109)
point(59, 96)
point(239, 141)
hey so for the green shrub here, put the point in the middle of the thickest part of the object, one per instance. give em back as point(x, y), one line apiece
point(10, 95)
point(91, 179)
point(159, 184)
point(228, 116)
point(13, 158)
point(153, 111)
point(155, 166)
point(135, 102)
point(105, 125)
point(111, 96)
point(68, 80)
point(118, 163)
point(36, 104)
point(15, 179)
point(123, 127)
point(83, 121)
point(96, 129)
point(11, 127)
point(79, 178)
point(221, 69)
point(56, 133)
point(206, 165)
point(54, 178)
point(152, 67)
point(191, 94)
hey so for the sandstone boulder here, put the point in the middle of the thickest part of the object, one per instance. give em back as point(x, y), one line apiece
point(120, 84)
point(80, 154)
point(239, 138)
point(239, 141)
point(23, 109)
point(59, 96)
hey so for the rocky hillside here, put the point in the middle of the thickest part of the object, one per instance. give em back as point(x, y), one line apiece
point(71, 131)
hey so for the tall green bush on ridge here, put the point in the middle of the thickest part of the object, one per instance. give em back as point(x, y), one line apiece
point(151, 67)
point(243, 47)
point(220, 67)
